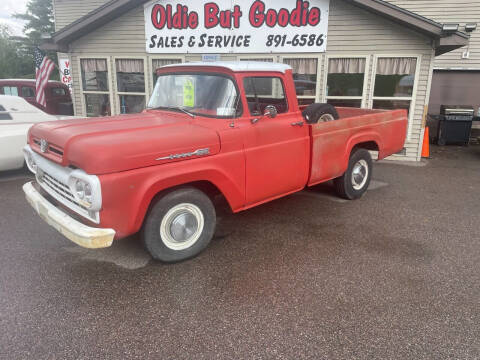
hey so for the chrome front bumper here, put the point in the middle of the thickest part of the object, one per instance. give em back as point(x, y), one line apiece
point(80, 234)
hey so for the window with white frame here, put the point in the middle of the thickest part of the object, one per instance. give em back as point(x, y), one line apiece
point(95, 88)
point(158, 63)
point(345, 81)
point(305, 78)
point(394, 82)
point(130, 79)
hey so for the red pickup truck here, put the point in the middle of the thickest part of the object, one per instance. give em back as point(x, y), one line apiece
point(233, 129)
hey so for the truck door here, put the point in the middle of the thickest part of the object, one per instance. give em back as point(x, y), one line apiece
point(276, 148)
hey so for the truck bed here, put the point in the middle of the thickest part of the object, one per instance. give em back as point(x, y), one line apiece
point(332, 142)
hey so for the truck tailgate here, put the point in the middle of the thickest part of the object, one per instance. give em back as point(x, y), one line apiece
point(332, 142)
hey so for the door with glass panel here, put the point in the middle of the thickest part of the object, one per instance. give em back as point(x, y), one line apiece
point(276, 148)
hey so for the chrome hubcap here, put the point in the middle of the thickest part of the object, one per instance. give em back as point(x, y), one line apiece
point(182, 226)
point(359, 174)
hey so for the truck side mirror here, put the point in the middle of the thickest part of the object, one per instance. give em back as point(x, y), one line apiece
point(270, 111)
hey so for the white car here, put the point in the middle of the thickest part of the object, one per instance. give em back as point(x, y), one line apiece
point(16, 117)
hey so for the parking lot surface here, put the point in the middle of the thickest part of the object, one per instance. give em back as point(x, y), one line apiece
point(394, 275)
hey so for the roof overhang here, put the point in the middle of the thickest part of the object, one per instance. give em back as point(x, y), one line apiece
point(444, 41)
point(93, 20)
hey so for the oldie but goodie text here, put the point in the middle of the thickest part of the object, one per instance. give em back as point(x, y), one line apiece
point(226, 27)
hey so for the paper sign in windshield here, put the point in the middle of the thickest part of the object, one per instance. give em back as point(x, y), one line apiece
point(188, 93)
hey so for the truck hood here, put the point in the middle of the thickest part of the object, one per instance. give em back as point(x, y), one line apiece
point(119, 143)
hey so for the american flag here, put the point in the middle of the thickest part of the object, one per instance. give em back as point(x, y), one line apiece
point(43, 68)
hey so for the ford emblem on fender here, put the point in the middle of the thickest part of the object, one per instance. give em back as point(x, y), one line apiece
point(43, 145)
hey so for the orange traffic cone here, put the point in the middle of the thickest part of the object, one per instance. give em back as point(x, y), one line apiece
point(426, 144)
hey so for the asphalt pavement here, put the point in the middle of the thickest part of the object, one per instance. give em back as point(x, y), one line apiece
point(394, 275)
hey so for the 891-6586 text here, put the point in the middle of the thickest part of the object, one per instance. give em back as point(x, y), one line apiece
point(297, 40)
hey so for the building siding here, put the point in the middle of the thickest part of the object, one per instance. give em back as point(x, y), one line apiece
point(67, 11)
point(447, 11)
point(352, 31)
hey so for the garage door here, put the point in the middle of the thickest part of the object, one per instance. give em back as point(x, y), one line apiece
point(455, 88)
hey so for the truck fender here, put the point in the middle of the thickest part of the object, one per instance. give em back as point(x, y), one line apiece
point(363, 137)
point(216, 177)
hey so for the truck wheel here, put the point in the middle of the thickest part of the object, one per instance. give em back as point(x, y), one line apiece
point(179, 226)
point(355, 181)
point(318, 113)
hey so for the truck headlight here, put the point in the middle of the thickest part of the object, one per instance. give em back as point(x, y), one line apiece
point(83, 191)
point(31, 164)
point(86, 189)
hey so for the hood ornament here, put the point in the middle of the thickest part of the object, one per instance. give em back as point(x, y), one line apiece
point(199, 152)
point(43, 145)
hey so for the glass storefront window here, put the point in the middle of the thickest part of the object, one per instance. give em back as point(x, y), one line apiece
point(345, 102)
point(391, 104)
point(394, 83)
point(94, 74)
point(130, 104)
point(395, 77)
point(97, 105)
point(304, 75)
point(130, 77)
point(345, 84)
point(345, 81)
point(95, 87)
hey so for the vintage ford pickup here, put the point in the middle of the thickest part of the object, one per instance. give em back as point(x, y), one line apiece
point(231, 129)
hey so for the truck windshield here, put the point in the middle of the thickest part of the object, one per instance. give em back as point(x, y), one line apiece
point(196, 94)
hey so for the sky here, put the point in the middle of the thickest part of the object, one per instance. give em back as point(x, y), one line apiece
point(7, 9)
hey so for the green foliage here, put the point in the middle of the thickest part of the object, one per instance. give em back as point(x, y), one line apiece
point(14, 63)
point(16, 53)
point(39, 20)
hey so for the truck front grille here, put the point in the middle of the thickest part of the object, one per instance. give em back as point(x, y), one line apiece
point(61, 192)
point(61, 189)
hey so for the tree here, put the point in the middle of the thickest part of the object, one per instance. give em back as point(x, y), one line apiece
point(39, 20)
point(13, 61)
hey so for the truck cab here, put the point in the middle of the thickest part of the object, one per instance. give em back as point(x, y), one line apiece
point(229, 129)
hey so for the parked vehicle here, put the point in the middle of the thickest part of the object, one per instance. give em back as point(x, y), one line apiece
point(57, 94)
point(211, 129)
point(16, 117)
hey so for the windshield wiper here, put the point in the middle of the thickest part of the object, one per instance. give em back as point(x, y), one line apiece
point(185, 111)
point(174, 108)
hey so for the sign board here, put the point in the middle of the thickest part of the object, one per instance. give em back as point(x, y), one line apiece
point(211, 57)
point(66, 72)
point(236, 26)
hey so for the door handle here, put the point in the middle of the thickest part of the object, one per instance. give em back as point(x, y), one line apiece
point(254, 121)
point(298, 123)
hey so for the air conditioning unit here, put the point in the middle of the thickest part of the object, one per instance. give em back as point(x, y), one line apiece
point(466, 54)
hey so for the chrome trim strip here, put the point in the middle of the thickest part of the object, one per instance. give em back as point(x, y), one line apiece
point(199, 152)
